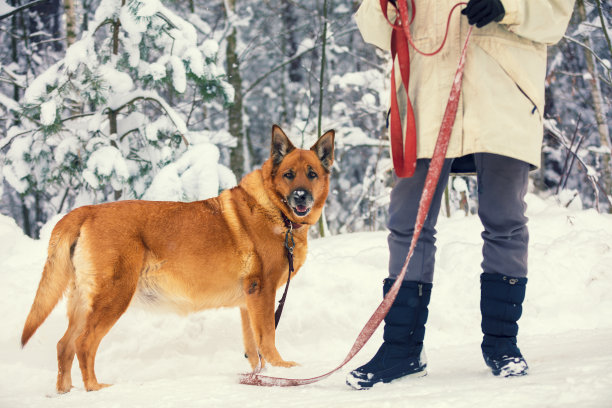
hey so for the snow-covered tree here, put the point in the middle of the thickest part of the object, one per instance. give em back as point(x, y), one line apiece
point(105, 121)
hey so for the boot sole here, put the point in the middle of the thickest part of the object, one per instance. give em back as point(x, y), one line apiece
point(354, 382)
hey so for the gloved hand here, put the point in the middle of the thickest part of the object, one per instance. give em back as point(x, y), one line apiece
point(482, 12)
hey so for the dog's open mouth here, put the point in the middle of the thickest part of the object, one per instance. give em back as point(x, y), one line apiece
point(301, 210)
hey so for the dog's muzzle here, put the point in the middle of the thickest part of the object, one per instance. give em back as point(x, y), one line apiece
point(300, 201)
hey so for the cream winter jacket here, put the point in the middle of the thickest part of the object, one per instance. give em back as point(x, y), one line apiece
point(502, 97)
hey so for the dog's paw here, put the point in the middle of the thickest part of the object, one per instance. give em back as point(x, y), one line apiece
point(95, 386)
point(64, 390)
point(283, 363)
point(255, 361)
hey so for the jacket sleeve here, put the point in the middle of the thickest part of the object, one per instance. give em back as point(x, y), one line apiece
point(374, 27)
point(543, 21)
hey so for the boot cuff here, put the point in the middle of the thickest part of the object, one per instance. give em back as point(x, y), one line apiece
point(497, 277)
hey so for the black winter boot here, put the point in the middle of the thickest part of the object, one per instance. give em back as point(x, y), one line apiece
point(501, 307)
point(401, 353)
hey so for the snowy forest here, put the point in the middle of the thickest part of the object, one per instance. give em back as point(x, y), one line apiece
point(104, 100)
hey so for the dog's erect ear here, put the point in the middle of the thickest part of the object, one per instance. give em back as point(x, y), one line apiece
point(281, 145)
point(324, 148)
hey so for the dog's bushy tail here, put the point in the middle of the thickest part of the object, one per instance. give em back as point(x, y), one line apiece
point(57, 273)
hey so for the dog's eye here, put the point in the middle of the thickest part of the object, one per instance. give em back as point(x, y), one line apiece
point(289, 175)
point(312, 175)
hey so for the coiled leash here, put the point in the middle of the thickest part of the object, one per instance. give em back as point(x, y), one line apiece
point(404, 151)
point(433, 174)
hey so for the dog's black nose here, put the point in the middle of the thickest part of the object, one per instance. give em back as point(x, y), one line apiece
point(300, 196)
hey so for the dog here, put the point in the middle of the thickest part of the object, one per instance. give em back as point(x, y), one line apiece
point(227, 251)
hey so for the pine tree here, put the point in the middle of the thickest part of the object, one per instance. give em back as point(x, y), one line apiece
point(104, 122)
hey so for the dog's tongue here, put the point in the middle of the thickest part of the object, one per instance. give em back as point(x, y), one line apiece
point(301, 208)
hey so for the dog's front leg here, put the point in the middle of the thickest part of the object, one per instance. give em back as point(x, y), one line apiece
point(250, 347)
point(260, 309)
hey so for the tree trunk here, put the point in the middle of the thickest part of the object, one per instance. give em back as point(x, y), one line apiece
point(14, 53)
point(237, 156)
point(25, 213)
point(323, 229)
point(112, 114)
point(447, 200)
point(290, 22)
point(71, 25)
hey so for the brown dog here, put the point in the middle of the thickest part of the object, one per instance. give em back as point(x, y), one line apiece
point(222, 252)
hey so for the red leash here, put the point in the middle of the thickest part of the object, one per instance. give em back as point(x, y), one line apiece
point(431, 181)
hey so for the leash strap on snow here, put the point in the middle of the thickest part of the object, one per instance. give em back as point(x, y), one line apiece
point(433, 175)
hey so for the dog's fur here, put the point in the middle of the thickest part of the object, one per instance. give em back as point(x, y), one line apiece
point(226, 251)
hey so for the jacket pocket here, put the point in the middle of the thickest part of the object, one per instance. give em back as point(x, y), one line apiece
point(524, 63)
point(535, 109)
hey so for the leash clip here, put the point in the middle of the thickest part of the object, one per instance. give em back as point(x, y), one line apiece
point(289, 242)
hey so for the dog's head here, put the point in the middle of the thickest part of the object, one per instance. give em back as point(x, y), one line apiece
point(297, 180)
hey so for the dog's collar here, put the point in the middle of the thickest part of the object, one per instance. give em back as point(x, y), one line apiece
point(289, 223)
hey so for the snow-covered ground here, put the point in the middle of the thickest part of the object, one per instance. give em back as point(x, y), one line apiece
point(173, 361)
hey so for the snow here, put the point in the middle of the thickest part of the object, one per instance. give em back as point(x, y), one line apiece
point(152, 129)
point(355, 136)
point(196, 61)
point(17, 171)
point(106, 10)
point(5, 8)
point(196, 175)
point(173, 361)
point(119, 82)
point(47, 112)
point(219, 137)
point(179, 77)
point(209, 48)
point(133, 24)
point(79, 52)
point(117, 101)
point(68, 145)
point(460, 185)
point(148, 8)
point(106, 161)
point(198, 23)
point(358, 79)
point(570, 198)
point(38, 88)
point(8, 102)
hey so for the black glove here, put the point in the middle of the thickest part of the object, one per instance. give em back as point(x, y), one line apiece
point(482, 12)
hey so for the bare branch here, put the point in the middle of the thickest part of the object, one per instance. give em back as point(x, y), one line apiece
point(593, 179)
point(21, 8)
point(607, 80)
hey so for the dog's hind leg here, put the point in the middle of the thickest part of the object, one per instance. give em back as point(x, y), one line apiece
point(65, 347)
point(111, 298)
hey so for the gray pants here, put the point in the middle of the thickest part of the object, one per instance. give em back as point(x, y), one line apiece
point(502, 185)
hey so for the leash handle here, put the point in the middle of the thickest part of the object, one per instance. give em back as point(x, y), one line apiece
point(433, 175)
point(402, 7)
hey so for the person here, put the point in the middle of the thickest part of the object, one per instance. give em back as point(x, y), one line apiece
point(498, 134)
